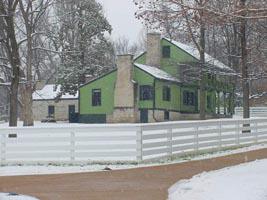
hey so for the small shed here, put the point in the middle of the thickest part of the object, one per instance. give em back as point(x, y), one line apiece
point(47, 104)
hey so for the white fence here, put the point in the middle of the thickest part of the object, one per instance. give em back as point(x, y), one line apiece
point(128, 143)
point(254, 111)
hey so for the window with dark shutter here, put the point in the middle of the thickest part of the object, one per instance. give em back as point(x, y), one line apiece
point(96, 97)
point(166, 93)
point(146, 92)
point(166, 51)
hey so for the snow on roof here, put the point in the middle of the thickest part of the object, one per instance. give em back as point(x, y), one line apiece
point(50, 92)
point(138, 55)
point(157, 73)
point(195, 53)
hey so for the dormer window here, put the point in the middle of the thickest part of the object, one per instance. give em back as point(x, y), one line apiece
point(166, 51)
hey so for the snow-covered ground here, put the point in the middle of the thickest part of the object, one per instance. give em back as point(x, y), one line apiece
point(7, 196)
point(59, 169)
point(40, 124)
point(247, 182)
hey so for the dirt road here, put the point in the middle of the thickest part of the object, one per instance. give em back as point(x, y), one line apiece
point(149, 183)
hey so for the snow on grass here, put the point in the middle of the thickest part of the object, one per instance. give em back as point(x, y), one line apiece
point(247, 182)
point(15, 170)
point(11, 196)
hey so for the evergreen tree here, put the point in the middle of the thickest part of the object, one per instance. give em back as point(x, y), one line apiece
point(84, 49)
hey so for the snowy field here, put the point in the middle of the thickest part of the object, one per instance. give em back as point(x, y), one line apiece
point(15, 170)
point(247, 182)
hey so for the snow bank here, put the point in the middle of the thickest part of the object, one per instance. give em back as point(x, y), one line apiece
point(7, 196)
point(246, 182)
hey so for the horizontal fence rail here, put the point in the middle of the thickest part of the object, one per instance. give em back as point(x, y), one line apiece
point(126, 143)
point(254, 111)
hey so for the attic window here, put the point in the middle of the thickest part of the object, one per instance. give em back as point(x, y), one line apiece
point(166, 51)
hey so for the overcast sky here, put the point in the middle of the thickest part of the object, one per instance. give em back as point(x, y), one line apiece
point(120, 14)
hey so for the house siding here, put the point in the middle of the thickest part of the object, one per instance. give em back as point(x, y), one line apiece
point(174, 103)
point(107, 86)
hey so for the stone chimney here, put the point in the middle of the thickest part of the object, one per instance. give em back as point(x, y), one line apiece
point(124, 94)
point(153, 56)
point(124, 88)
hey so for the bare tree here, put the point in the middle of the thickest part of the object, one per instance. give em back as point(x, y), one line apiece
point(123, 46)
point(7, 15)
point(31, 12)
point(199, 16)
point(188, 15)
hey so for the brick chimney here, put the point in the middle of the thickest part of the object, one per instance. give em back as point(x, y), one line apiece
point(153, 56)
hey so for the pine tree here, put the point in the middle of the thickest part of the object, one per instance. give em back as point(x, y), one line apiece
point(85, 50)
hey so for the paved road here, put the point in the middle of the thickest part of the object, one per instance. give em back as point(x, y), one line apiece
point(150, 183)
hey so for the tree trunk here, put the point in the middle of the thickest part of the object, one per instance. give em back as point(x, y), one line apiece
point(14, 58)
point(202, 94)
point(28, 88)
point(244, 59)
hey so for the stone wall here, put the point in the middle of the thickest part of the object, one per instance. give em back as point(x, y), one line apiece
point(156, 116)
point(130, 115)
point(123, 115)
point(40, 109)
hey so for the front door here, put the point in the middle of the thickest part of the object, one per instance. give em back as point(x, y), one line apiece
point(71, 112)
point(144, 116)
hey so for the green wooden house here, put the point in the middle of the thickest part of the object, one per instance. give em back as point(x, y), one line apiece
point(159, 85)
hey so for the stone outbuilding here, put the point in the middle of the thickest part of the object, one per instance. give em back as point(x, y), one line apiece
point(47, 105)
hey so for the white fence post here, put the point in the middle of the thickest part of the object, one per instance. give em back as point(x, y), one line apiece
point(237, 132)
point(196, 138)
point(256, 133)
point(72, 146)
point(3, 149)
point(220, 135)
point(169, 138)
point(139, 145)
